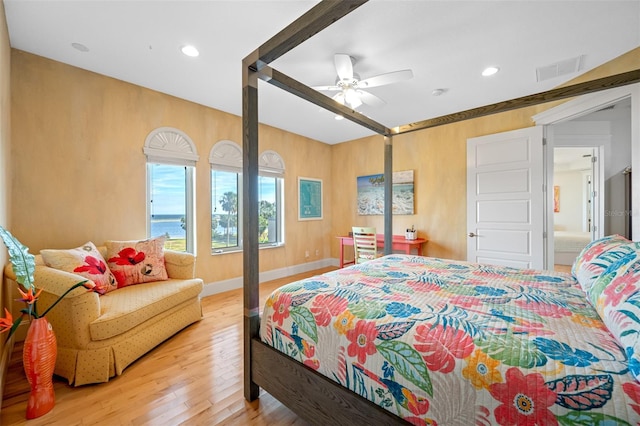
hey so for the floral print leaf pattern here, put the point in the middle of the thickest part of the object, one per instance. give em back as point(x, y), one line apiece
point(582, 392)
point(513, 350)
point(581, 418)
point(418, 335)
point(407, 362)
point(440, 346)
point(327, 306)
point(394, 330)
point(562, 352)
point(300, 299)
point(304, 318)
point(368, 310)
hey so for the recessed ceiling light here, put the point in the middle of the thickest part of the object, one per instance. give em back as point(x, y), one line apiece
point(189, 50)
point(490, 71)
point(339, 117)
point(438, 92)
point(79, 46)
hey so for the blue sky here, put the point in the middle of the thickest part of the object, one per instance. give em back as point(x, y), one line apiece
point(169, 183)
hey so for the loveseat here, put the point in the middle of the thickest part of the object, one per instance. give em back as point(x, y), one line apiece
point(98, 336)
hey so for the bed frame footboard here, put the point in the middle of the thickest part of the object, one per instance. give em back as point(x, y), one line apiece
point(310, 395)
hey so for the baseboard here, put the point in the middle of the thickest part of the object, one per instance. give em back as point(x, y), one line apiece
point(236, 283)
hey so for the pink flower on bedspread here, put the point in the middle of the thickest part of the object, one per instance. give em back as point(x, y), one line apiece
point(361, 338)
point(281, 308)
point(525, 400)
point(620, 288)
point(442, 345)
point(326, 307)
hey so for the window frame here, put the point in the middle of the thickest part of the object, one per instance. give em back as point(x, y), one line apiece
point(172, 147)
point(226, 156)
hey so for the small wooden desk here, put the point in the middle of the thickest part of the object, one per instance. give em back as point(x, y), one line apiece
point(398, 242)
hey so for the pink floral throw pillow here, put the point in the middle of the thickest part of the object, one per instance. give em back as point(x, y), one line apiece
point(135, 262)
point(85, 261)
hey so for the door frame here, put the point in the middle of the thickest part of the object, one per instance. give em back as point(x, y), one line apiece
point(583, 105)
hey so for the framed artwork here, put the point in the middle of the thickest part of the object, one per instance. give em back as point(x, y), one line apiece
point(371, 193)
point(556, 199)
point(309, 198)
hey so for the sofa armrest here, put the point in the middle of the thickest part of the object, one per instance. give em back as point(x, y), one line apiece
point(71, 317)
point(180, 265)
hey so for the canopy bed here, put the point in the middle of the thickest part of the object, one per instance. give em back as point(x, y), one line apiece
point(295, 382)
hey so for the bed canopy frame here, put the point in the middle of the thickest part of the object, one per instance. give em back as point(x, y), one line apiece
point(320, 400)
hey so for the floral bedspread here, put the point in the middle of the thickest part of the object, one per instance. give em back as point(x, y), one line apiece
point(453, 343)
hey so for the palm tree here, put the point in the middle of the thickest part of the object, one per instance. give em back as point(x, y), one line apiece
point(229, 204)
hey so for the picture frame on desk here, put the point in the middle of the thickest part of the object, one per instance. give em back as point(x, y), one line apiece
point(309, 198)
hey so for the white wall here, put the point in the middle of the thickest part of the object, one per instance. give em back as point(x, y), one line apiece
point(570, 216)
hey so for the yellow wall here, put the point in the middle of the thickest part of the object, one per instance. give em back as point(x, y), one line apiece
point(438, 158)
point(80, 172)
point(5, 115)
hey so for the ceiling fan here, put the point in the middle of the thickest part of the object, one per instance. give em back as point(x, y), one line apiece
point(349, 85)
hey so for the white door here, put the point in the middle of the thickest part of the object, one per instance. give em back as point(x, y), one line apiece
point(505, 199)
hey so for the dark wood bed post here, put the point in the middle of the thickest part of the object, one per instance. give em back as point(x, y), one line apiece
point(250, 258)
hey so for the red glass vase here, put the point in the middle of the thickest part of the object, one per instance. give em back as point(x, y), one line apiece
point(39, 360)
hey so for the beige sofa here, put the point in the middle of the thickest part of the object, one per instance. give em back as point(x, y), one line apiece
point(99, 336)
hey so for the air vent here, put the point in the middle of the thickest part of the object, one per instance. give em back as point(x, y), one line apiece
point(568, 66)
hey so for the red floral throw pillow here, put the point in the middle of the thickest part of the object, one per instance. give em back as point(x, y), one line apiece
point(85, 261)
point(135, 262)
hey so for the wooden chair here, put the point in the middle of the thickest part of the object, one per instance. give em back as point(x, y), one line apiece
point(365, 246)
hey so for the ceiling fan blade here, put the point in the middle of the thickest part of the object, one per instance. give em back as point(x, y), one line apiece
point(344, 66)
point(370, 99)
point(388, 78)
point(326, 88)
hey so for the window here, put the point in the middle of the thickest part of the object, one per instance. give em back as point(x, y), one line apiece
point(226, 183)
point(271, 199)
point(171, 159)
point(226, 200)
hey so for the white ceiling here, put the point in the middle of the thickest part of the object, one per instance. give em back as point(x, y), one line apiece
point(445, 43)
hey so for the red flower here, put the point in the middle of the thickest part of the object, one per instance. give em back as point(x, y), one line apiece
point(281, 308)
point(7, 322)
point(442, 345)
point(524, 400)
point(362, 337)
point(29, 298)
point(621, 287)
point(92, 265)
point(326, 307)
point(128, 256)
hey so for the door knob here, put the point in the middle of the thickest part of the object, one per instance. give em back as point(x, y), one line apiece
point(471, 234)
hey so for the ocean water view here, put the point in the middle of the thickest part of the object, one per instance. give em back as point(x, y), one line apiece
point(163, 224)
point(171, 224)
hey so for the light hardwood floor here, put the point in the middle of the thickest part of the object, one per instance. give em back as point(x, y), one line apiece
point(194, 378)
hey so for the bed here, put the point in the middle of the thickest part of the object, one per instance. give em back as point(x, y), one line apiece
point(567, 245)
point(293, 374)
point(447, 342)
